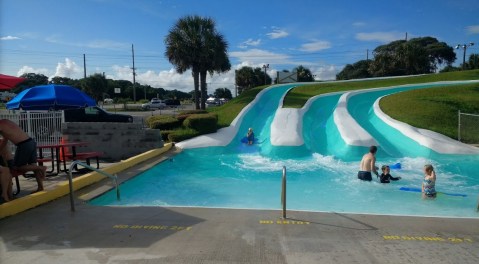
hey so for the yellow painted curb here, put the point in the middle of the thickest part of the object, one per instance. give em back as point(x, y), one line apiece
point(27, 202)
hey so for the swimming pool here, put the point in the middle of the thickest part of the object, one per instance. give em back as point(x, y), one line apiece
point(321, 172)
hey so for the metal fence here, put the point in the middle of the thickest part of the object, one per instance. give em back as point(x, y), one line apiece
point(468, 128)
point(44, 127)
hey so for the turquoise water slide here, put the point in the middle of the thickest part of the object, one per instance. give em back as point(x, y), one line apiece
point(318, 130)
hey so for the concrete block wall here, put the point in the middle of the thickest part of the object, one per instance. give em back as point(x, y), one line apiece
point(116, 140)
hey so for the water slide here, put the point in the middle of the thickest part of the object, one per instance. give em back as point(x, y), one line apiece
point(339, 124)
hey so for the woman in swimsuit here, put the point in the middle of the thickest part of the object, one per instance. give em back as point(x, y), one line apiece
point(429, 183)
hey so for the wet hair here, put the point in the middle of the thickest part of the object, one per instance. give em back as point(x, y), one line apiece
point(384, 167)
point(428, 167)
point(373, 149)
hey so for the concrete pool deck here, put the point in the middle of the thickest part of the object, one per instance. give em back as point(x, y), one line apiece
point(51, 233)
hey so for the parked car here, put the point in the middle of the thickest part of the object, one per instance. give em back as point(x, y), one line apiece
point(172, 103)
point(95, 114)
point(154, 105)
point(108, 101)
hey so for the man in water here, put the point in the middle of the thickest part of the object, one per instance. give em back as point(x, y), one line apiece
point(26, 153)
point(368, 165)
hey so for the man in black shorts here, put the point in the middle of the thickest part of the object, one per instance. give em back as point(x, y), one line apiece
point(368, 165)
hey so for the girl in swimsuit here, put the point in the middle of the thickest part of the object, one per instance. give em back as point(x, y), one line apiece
point(429, 183)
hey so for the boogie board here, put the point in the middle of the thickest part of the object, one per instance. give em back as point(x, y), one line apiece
point(245, 140)
point(396, 166)
point(414, 189)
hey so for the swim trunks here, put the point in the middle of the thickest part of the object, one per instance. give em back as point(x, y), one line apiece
point(365, 175)
point(26, 153)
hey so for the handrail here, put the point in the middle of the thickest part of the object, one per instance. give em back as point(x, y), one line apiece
point(70, 180)
point(283, 192)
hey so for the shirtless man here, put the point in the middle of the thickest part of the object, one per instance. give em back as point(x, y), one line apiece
point(6, 182)
point(368, 165)
point(26, 153)
point(5, 171)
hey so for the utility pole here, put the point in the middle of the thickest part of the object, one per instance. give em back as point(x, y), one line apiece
point(134, 74)
point(464, 46)
point(84, 66)
point(367, 54)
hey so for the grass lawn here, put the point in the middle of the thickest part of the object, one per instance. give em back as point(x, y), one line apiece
point(228, 112)
point(298, 96)
point(435, 109)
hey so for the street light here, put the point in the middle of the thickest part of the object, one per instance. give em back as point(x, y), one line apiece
point(265, 66)
point(464, 46)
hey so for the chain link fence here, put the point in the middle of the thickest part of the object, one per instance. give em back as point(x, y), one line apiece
point(468, 128)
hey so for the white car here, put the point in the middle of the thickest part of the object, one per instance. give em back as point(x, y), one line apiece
point(153, 105)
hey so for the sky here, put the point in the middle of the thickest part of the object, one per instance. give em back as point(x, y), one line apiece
point(52, 37)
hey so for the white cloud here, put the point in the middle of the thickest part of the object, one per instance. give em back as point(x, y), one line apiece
point(28, 69)
point(257, 56)
point(250, 42)
point(68, 69)
point(277, 33)
point(95, 44)
point(315, 46)
point(359, 24)
point(9, 38)
point(171, 80)
point(473, 29)
point(380, 36)
point(324, 73)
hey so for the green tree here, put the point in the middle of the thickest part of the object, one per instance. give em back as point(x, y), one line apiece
point(358, 70)
point(245, 79)
point(65, 81)
point(416, 56)
point(473, 62)
point(304, 74)
point(95, 85)
point(194, 43)
point(223, 93)
point(32, 79)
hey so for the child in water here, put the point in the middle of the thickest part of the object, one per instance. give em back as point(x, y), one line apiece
point(429, 182)
point(386, 177)
point(250, 136)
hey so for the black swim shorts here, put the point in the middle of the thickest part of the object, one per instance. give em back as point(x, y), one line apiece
point(26, 153)
point(365, 175)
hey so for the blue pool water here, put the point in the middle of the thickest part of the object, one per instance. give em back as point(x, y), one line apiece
point(321, 173)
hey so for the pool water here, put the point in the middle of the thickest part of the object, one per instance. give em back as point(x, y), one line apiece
point(321, 174)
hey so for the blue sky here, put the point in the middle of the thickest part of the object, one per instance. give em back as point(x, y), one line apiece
point(51, 36)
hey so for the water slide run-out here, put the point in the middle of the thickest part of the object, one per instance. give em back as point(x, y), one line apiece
point(342, 124)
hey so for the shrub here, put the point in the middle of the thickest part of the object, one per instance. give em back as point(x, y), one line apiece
point(189, 112)
point(203, 123)
point(182, 134)
point(185, 114)
point(165, 134)
point(162, 122)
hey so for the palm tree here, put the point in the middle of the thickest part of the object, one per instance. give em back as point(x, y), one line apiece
point(193, 43)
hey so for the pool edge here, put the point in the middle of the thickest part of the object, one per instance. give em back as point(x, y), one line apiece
point(61, 189)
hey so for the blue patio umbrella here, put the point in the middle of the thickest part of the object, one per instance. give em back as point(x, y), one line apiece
point(50, 97)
